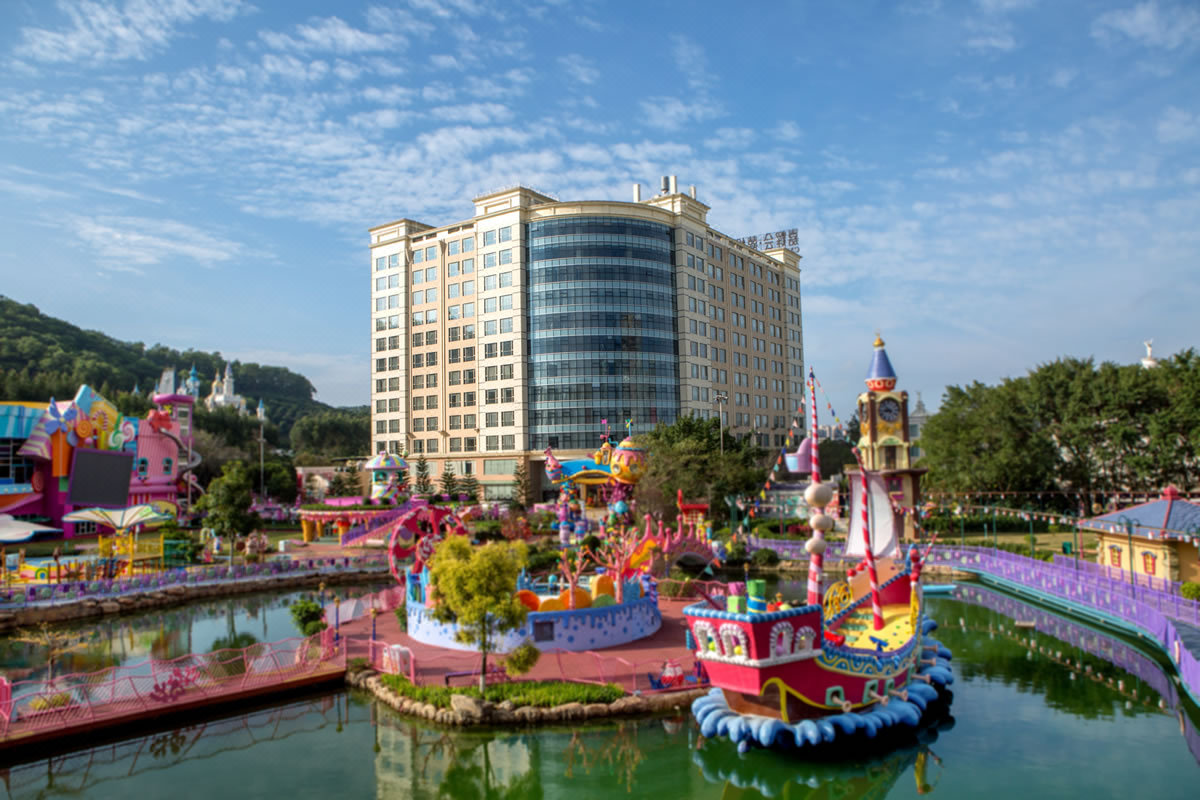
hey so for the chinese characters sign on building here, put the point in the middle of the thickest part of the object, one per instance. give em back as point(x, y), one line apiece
point(772, 239)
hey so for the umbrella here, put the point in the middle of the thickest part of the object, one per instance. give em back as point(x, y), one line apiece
point(119, 519)
point(15, 530)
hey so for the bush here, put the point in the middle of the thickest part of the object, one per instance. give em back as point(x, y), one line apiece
point(402, 617)
point(592, 542)
point(542, 559)
point(521, 660)
point(357, 664)
point(1190, 590)
point(488, 530)
point(543, 694)
point(765, 557)
point(309, 617)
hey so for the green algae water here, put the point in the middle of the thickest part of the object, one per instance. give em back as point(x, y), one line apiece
point(1040, 711)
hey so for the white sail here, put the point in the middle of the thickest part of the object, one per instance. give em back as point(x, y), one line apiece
point(884, 536)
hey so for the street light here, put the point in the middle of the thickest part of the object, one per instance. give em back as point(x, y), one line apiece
point(262, 481)
point(721, 399)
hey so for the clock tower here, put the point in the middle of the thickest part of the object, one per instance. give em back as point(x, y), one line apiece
point(884, 440)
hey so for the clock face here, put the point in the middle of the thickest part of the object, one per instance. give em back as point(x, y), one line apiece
point(889, 410)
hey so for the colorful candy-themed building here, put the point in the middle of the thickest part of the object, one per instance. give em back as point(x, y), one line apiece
point(61, 456)
point(1164, 535)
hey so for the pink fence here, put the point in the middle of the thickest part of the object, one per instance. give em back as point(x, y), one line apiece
point(632, 676)
point(152, 686)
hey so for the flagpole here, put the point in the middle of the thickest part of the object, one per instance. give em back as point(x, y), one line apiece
point(814, 495)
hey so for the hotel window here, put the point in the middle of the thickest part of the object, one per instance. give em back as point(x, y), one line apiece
point(506, 372)
point(431, 359)
point(468, 376)
point(431, 316)
point(489, 237)
point(468, 244)
point(393, 363)
point(431, 295)
point(489, 350)
point(418, 424)
point(431, 337)
point(468, 353)
point(492, 443)
point(468, 331)
point(455, 399)
point(506, 325)
point(489, 260)
point(380, 406)
point(508, 395)
point(468, 310)
point(431, 423)
point(394, 321)
point(455, 378)
point(490, 373)
point(393, 426)
point(380, 426)
point(469, 444)
point(430, 255)
point(380, 283)
point(506, 256)
point(431, 445)
point(380, 303)
point(418, 382)
point(505, 279)
point(489, 305)
point(506, 233)
point(431, 401)
point(452, 290)
point(418, 298)
point(506, 348)
point(489, 282)
point(394, 281)
point(468, 420)
point(418, 446)
point(468, 399)
point(452, 355)
point(508, 442)
point(381, 263)
point(418, 403)
point(491, 419)
point(505, 302)
point(393, 404)
point(380, 364)
point(453, 312)
point(452, 248)
point(418, 339)
point(455, 422)
point(455, 444)
point(393, 384)
point(491, 397)
point(452, 334)
point(418, 360)
point(507, 419)
point(468, 266)
point(468, 288)
point(489, 327)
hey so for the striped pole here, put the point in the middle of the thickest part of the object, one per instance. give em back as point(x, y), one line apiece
point(816, 558)
point(876, 605)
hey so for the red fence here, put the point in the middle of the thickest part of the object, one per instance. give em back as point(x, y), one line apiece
point(86, 699)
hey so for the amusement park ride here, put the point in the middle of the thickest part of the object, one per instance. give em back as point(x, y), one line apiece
point(858, 658)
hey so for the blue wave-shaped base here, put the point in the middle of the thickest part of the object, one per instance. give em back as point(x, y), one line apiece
point(926, 702)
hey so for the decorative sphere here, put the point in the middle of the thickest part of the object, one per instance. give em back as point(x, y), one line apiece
point(628, 462)
point(815, 546)
point(818, 495)
point(620, 507)
point(821, 522)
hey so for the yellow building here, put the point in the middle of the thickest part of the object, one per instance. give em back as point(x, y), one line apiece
point(1164, 534)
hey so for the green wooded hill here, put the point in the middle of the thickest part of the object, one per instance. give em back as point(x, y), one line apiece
point(41, 356)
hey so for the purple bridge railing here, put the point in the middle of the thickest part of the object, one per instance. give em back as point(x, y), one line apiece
point(1152, 611)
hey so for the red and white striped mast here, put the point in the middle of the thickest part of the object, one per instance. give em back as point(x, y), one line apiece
point(818, 496)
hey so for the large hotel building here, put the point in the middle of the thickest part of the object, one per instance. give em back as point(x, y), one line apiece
point(537, 322)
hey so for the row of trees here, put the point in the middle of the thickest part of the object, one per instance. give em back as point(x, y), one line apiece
point(1071, 426)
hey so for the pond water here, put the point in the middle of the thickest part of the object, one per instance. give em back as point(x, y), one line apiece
point(1022, 726)
point(164, 634)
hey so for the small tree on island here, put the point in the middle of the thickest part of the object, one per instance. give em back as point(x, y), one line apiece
point(449, 481)
point(422, 483)
point(476, 588)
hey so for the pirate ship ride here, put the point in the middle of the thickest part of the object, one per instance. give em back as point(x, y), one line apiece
point(854, 661)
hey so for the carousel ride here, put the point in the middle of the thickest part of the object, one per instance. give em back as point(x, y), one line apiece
point(855, 660)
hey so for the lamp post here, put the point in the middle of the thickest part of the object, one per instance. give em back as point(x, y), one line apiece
point(721, 399)
point(262, 492)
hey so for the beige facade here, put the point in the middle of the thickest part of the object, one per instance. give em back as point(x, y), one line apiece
point(463, 338)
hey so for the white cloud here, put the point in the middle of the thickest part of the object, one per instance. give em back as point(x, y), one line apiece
point(129, 244)
point(671, 113)
point(444, 61)
point(333, 35)
point(474, 113)
point(579, 69)
point(787, 131)
point(732, 138)
point(1004, 6)
point(989, 35)
point(1177, 125)
point(99, 32)
point(1168, 27)
point(1063, 77)
point(691, 61)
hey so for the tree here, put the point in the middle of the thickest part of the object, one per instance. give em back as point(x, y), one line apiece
point(522, 488)
point(341, 485)
point(449, 482)
point(228, 501)
point(571, 565)
point(476, 589)
point(469, 485)
point(614, 555)
point(686, 455)
point(422, 484)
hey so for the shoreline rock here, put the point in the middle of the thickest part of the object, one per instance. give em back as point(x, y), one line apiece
point(467, 711)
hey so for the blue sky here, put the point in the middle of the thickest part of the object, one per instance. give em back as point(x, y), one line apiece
point(992, 184)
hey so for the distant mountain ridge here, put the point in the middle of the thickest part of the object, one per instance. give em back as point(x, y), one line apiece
point(40, 353)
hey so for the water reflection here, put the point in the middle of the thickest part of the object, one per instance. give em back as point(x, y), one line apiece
point(164, 634)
